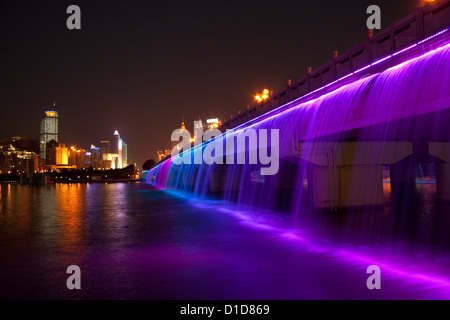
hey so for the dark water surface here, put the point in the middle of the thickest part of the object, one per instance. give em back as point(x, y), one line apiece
point(135, 242)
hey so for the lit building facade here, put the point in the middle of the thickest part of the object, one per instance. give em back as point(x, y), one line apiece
point(162, 155)
point(213, 123)
point(57, 154)
point(62, 155)
point(110, 155)
point(77, 157)
point(95, 157)
point(13, 159)
point(48, 131)
point(120, 149)
point(105, 147)
point(87, 159)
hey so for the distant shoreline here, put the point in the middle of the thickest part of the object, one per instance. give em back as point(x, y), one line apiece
point(16, 179)
point(97, 181)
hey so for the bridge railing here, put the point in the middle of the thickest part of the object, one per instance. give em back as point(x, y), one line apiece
point(424, 22)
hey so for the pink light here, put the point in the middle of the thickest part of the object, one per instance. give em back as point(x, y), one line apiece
point(433, 36)
point(330, 84)
point(293, 102)
point(406, 49)
point(348, 75)
point(381, 60)
point(355, 83)
point(362, 69)
point(389, 263)
point(345, 77)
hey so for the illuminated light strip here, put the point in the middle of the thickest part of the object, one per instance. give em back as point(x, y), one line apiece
point(381, 60)
point(403, 50)
point(350, 74)
point(359, 70)
point(245, 124)
point(345, 77)
point(330, 84)
point(332, 92)
point(340, 88)
point(433, 36)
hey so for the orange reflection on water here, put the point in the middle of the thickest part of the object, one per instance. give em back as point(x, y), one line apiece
point(16, 213)
point(70, 208)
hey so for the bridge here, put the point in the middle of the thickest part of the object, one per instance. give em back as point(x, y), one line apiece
point(376, 115)
point(369, 57)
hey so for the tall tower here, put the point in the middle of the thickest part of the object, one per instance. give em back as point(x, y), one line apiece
point(49, 131)
point(115, 145)
point(120, 148)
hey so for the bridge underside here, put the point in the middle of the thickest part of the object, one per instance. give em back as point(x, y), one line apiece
point(339, 150)
point(350, 169)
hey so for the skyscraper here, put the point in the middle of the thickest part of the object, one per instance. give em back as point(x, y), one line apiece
point(120, 148)
point(95, 157)
point(48, 132)
point(105, 146)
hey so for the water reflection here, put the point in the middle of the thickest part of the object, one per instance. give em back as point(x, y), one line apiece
point(133, 242)
point(51, 227)
point(70, 208)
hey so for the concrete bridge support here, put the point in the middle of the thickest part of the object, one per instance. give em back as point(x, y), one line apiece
point(349, 174)
point(443, 181)
point(441, 150)
point(337, 174)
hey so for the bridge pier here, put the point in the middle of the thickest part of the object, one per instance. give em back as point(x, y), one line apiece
point(441, 150)
point(329, 175)
point(443, 182)
point(403, 185)
point(346, 186)
point(349, 174)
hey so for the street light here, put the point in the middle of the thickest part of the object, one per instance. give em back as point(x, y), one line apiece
point(263, 96)
point(422, 3)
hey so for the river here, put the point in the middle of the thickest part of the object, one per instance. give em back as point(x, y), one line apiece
point(132, 241)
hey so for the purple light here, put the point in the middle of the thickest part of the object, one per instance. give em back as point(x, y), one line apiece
point(293, 103)
point(326, 86)
point(381, 60)
point(353, 84)
point(330, 84)
point(403, 50)
point(363, 102)
point(349, 75)
point(433, 36)
point(362, 69)
point(389, 263)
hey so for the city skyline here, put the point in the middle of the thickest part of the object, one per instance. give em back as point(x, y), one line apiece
point(50, 153)
point(241, 153)
point(115, 76)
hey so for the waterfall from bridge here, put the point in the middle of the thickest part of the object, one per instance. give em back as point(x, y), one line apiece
point(366, 161)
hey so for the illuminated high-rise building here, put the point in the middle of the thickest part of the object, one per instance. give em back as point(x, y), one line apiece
point(57, 153)
point(95, 157)
point(124, 154)
point(49, 131)
point(121, 149)
point(115, 156)
point(77, 157)
point(115, 145)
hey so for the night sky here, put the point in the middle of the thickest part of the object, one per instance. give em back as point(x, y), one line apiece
point(138, 66)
